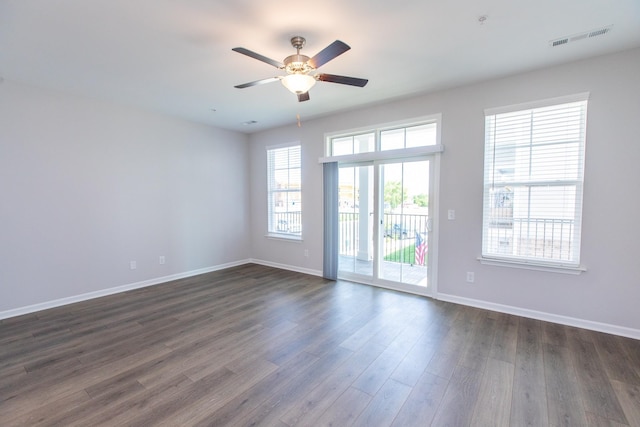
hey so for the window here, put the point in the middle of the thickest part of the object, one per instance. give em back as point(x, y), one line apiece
point(533, 177)
point(353, 144)
point(284, 191)
point(407, 137)
point(420, 136)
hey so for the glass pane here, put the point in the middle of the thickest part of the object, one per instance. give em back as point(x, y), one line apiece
point(355, 215)
point(555, 162)
point(281, 179)
point(420, 136)
point(342, 146)
point(365, 143)
point(405, 222)
point(392, 139)
point(533, 222)
point(295, 178)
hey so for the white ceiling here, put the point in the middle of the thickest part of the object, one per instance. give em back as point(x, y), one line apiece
point(174, 56)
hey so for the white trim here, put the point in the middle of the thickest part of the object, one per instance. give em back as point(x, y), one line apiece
point(533, 314)
point(286, 267)
point(115, 290)
point(385, 284)
point(529, 265)
point(431, 118)
point(435, 227)
point(385, 155)
point(283, 236)
point(283, 145)
point(577, 97)
point(540, 315)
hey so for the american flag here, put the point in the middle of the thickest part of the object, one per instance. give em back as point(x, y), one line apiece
point(421, 249)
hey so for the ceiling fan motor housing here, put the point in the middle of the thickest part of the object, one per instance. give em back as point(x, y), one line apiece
point(297, 64)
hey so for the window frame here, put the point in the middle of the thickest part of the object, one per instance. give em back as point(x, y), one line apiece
point(571, 266)
point(376, 131)
point(273, 230)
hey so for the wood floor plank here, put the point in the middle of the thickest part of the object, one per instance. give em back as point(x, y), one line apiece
point(594, 420)
point(243, 403)
point(130, 407)
point(367, 332)
point(385, 405)
point(413, 365)
point(563, 393)
point(629, 398)
point(493, 406)
point(191, 395)
point(312, 405)
point(42, 415)
point(422, 402)
point(609, 349)
point(240, 383)
point(344, 412)
point(505, 338)
point(529, 401)
point(478, 345)
point(256, 345)
point(596, 390)
point(458, 402)
point(270, 411)
point(381, 369)
point(632, 348)
point(554, 334)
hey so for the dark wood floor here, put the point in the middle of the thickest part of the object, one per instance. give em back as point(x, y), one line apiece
point(253, 345)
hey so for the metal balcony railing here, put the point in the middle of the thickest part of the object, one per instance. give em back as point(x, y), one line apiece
point(398, 230)
point(288, 222)
point(544, 238)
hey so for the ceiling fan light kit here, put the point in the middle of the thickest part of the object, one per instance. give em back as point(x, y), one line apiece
point(298, 83)
point(299, 68)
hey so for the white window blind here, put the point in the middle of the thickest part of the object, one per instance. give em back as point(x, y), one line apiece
point(284, 191)
point(533, 179)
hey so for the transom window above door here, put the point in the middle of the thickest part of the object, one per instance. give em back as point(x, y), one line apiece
point(419, 136)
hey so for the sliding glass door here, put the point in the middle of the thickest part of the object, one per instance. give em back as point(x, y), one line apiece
point(385, 223)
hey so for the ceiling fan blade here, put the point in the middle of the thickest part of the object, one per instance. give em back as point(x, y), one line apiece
point(328, 53)
point(303, 97)
point(258, 82)
point(259, 57)
point(351, 81)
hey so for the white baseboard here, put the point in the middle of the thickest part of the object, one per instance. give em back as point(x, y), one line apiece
point(110, 291)
point(547, 317)
point(533, 314)
point(287, 267)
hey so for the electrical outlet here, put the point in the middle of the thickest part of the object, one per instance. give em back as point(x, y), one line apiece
point(471, 277)
point(451, 214)
point(161, 260)
point(132, 265)
point(306, 253)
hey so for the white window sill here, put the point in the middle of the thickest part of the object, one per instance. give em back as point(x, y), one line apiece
point(287, 237)
point(564, 269)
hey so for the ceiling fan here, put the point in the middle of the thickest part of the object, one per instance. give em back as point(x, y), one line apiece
point(299, 68)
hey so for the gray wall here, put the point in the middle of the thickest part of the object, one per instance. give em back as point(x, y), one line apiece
point(606, 295)
point(86, 187)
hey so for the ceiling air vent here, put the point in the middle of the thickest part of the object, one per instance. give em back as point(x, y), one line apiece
point(581, 36)
point(599, 32)
point(559, 42)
